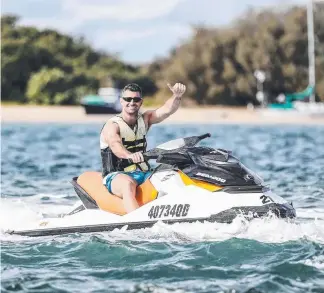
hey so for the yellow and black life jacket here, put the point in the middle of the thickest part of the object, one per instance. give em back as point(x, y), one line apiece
point(134, 140)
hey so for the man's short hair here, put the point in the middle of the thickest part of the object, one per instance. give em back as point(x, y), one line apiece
point(133, 87)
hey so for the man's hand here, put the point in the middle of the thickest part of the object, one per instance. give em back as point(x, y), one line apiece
point(136, 157)
point(178, 89)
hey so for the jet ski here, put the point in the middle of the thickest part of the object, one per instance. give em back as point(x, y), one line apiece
point(189, 183)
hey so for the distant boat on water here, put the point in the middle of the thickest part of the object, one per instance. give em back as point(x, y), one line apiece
point(105, 102)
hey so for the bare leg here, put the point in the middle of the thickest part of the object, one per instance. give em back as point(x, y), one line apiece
point(125, 187)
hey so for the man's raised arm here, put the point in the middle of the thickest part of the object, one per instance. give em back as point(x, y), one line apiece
point(169, 107)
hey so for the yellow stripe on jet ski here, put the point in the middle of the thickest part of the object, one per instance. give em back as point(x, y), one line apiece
point(206, 185)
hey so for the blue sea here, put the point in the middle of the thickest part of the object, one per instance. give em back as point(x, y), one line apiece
point(262, 255)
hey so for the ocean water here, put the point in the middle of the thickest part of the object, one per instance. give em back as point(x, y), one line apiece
point(263, 255)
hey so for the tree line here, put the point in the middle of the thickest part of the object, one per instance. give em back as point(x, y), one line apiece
point(46, 67)
point(216, 64)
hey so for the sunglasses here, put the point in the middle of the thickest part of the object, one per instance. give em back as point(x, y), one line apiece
point(128, 100)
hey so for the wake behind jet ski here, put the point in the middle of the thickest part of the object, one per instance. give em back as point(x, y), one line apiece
point(191, 183)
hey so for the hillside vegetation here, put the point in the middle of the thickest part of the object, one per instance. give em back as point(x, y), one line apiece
point(216, 64)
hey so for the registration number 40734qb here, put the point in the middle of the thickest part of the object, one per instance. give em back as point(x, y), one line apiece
point(176, 210)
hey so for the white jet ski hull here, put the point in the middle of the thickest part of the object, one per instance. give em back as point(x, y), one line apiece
point(192, 184)
point(179, 203)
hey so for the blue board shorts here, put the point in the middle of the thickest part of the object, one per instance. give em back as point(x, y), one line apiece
point(138, 176)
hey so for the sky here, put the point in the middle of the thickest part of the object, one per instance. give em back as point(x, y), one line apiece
point(138, 31)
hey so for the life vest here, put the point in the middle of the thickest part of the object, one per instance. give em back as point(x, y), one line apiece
point(133, 140)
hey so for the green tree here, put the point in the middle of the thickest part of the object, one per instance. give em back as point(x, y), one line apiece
point(217, 65)
point(54, 86)
point(46, 67)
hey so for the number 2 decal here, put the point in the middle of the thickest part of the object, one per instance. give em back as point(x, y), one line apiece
point(266, 199)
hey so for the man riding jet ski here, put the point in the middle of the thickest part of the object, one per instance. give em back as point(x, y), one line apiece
point(123, 141)
point(191, 183)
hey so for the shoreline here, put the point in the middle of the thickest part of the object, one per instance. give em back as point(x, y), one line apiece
point(198, 115)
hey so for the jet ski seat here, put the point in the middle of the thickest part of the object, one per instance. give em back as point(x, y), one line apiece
point(91, 183)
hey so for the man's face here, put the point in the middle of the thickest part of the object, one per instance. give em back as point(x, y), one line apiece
point(131, 101)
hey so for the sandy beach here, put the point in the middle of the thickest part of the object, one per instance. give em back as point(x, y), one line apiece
point(221, 115)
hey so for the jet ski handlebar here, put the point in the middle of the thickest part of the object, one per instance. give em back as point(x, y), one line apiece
point(146, 158)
